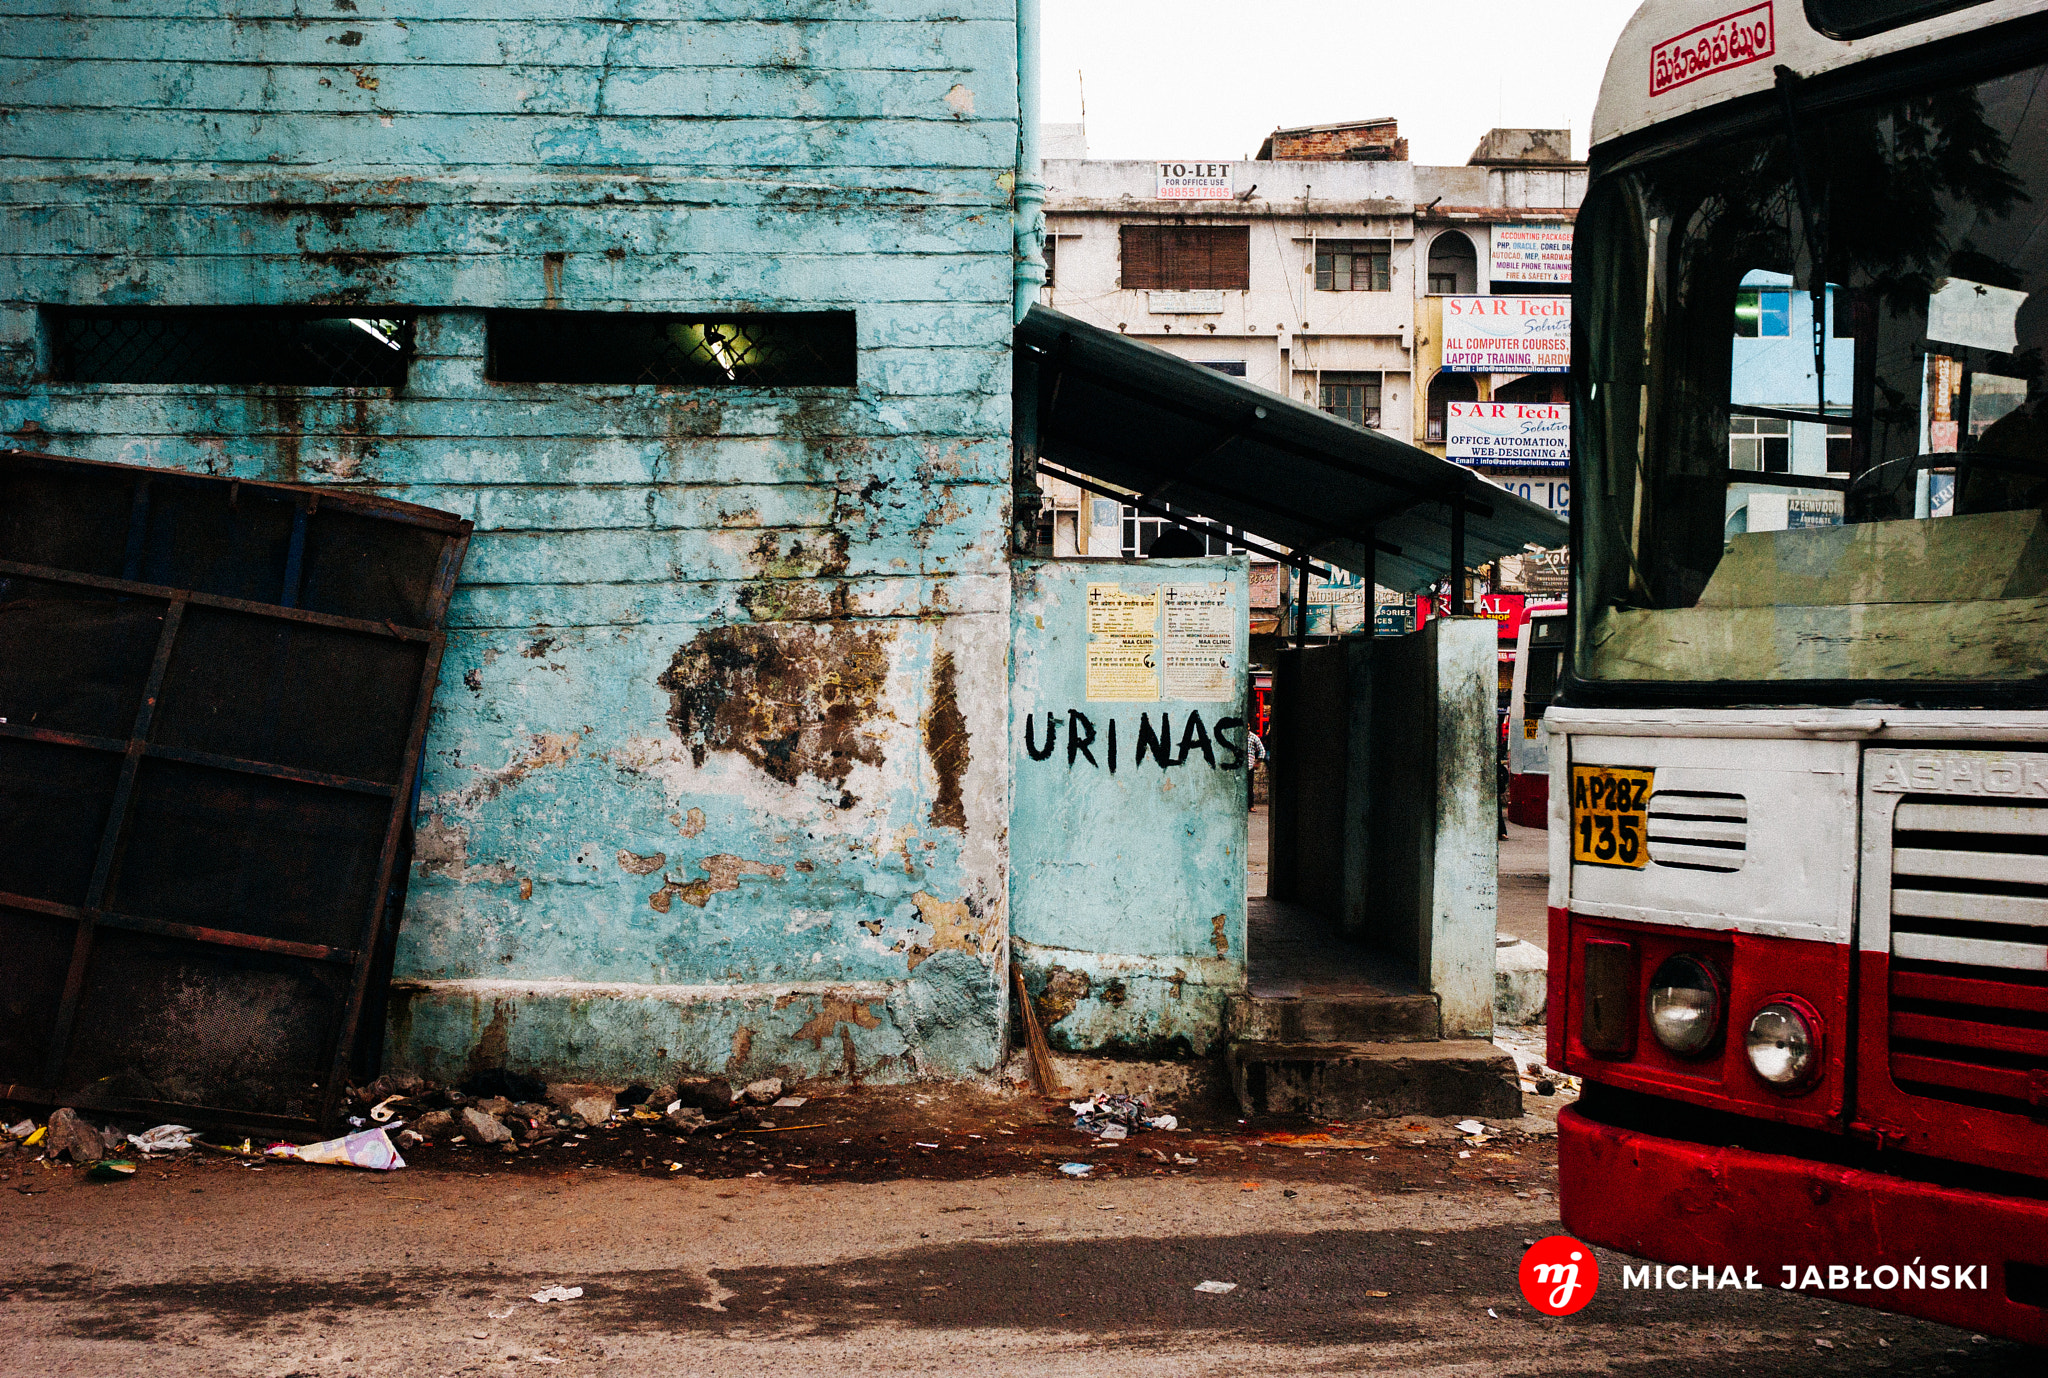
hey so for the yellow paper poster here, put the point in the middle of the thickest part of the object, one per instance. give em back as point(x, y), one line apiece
point(1123, 645)
point(1112, 612)
point(1199, 656)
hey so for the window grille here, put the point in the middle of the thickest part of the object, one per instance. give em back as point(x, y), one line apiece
point(230, 348)
point(788, 349)
point(1187, 258)
point(1352, 265)
point(1353, 396)
point(1759, 443)
point(1141, 529)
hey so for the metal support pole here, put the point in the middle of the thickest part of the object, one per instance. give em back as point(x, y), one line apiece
point(1460, 605)
point(1372, 584)
point(1301, 610)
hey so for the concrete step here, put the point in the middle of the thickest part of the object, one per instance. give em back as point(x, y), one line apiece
point(1342, 1017)
point(1358, 1081)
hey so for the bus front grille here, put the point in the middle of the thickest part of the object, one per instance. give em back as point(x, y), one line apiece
point(1969, 970)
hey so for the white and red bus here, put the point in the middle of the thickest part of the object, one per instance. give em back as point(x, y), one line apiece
point(1799, 755)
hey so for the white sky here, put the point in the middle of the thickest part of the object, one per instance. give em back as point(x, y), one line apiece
point(1203, 79)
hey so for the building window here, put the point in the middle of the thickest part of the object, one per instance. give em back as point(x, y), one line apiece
point(790, 349)
point(1453, 265)
point(1445, 389)
point(1760, 443)
point(1141, 529)
point(1353, 396)
point(1352, 265)
point(1233, 367)
point(1052, 257)
point(1187, 258)
point(229, 348)
point(1762, 312)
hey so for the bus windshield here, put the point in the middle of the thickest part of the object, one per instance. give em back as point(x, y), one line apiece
point(1811, 428)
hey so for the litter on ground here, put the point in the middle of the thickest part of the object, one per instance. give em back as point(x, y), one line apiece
point(548, 1294)
point(1099, 1113)
point(1215, 1288)
point(369, 1148)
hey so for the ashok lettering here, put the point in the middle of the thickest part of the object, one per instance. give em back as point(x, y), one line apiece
point(1733, 40)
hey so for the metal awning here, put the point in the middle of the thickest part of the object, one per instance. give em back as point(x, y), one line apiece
point(1104, 410)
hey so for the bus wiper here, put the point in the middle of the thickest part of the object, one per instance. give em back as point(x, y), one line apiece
point(1816, 291)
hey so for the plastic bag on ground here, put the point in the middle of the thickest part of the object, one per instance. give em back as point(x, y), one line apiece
point(368, 1148)
point(165, 1138)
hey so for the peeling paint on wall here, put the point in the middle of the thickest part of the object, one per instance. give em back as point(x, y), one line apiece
point(766, 623)
point(946, 743)
point(722, 872)
point(793, 699)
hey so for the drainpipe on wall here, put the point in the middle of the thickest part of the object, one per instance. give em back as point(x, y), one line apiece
point(1030, 193)
point(1028, 203)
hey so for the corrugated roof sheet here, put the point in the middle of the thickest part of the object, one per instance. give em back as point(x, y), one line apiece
point(1135, 417)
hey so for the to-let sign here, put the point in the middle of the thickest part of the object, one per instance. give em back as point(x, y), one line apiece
point(1194, 182)
point(1733, 40)
point(1611, 816)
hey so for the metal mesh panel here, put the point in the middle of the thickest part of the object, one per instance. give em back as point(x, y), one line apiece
point(53, 810)
point(792, 349)
point(262, 690)
point(227, 850)
point(211, 701)
point(92, 652)
point(246, 348)
point(31, 987)
point(174, 1023)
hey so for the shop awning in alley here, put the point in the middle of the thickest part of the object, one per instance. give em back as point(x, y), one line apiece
point(1113, 413)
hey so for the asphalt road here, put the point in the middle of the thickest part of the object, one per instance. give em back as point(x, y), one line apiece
point(221, 1269)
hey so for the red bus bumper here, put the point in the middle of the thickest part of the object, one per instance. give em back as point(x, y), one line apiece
point(1677, 1202)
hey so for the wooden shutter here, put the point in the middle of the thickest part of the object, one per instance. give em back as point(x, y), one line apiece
point(1142, 255)
point(1187, 258)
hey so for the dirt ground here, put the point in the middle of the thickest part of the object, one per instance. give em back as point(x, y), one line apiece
point(947, 1134)
point(899, 1230)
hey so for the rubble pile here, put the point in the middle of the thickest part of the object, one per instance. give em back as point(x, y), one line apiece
point(499, 1110)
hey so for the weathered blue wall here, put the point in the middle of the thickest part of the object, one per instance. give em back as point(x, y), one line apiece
point(717, 778)
point(1127, 888)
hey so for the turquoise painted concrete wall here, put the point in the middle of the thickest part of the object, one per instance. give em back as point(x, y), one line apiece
point(1127, 887)
point(716, 774)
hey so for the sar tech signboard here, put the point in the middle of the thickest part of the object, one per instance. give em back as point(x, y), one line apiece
point(1507, 334)
point(1532, 253)
point(1508, 435)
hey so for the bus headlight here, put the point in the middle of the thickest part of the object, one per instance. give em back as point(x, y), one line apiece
point(1783, 1043)
point(1685, 1005)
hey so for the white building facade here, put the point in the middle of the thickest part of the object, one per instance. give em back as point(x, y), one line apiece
point(1318, 270)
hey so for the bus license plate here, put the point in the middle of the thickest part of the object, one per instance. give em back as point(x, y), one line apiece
point(1610, 816)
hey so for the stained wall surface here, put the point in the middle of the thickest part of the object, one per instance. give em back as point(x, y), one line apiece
point(1129, 828)
point(716, 775)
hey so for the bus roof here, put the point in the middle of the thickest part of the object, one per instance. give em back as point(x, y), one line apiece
point(1677, 56)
